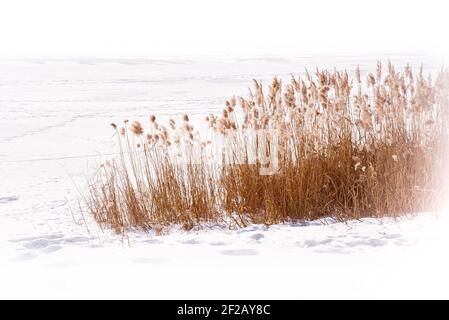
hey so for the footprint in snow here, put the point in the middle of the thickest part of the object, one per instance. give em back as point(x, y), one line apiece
point(191, 241)
point(49, 243)
point(369, 243)
point(392, 236)
point(77, 239)
point(51, 249)
point(250, 229)
point(8, 199)
point(218, 243)
point(152, 241)
point(257, 236)
point(37, 244)
point(45, 237)
point(313, 243)
point(404, 242)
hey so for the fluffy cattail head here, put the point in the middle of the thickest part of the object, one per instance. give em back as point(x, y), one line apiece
point(136, 128)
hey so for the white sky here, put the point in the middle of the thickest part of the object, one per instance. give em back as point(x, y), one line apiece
point(130, 28)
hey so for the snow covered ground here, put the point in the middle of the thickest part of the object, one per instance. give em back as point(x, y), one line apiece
point(54, 130)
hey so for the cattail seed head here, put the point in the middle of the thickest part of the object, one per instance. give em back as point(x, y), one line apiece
point(136, 128)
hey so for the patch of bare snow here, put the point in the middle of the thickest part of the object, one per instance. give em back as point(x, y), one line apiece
point(360, 259)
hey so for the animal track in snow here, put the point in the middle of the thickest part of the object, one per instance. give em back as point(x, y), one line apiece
point(47, 243)
point(218, 243)
point(191, 241)
point(37, 244)
point(370, 242)
point(77, 239)
point(8, 199)
point(52, 248)
point(152, 241)
point(313, 243)
point(257, 236)
point(46, 237)
point(392, 236)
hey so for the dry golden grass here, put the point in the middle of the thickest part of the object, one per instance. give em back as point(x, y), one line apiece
point(346, 148)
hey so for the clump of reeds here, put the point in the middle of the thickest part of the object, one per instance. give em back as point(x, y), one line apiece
point(345, 148)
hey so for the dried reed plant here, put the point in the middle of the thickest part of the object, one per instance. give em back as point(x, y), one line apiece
point(347, 148)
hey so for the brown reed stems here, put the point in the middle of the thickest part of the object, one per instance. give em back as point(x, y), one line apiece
point(345, 148)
